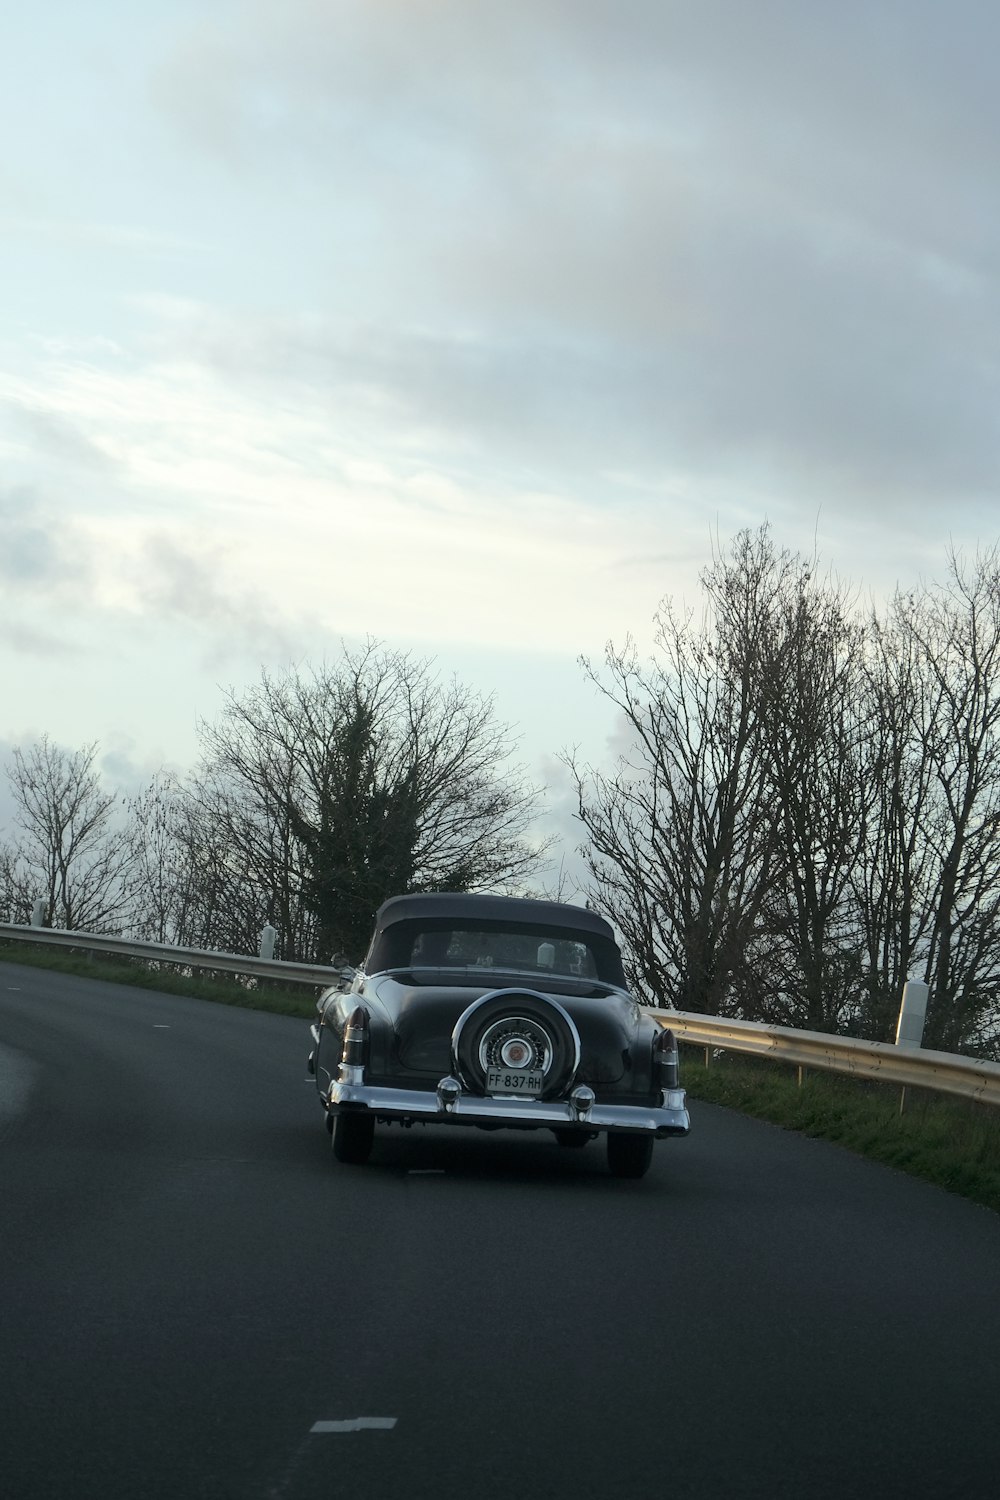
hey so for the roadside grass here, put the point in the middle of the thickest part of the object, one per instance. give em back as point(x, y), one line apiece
point(954, 1143)
point(221, 987)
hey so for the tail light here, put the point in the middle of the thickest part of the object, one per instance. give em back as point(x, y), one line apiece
point(355, 1053)
point(666, 1060)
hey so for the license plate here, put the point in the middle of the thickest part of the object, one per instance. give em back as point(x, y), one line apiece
point(514, 1081)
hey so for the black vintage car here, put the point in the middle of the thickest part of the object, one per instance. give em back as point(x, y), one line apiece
point(495, 1012)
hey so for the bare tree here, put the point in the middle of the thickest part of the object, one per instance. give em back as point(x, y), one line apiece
point(69, 846)
point(336, 788)
point(900, 819)
point(684, 833)
point(243, 868)
point(954, 730)
point(15, 895)
point(809, 813)
point(817, 729)
point(186, 889)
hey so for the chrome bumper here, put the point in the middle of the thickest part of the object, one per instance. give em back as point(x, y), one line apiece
point(449, 1106)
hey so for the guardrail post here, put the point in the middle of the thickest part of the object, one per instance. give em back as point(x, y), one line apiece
point(267, 937)
point(910, 1029)
point(38, 913)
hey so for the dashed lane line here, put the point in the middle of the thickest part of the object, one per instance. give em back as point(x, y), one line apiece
point(17, 1074)
point(356, 1424)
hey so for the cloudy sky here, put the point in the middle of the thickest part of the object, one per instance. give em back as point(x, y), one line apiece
point(469, 325)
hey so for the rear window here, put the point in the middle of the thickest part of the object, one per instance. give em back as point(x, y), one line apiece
point(448, 944)
point(519, 950)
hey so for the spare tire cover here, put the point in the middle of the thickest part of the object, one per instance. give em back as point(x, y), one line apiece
point(501, 1015)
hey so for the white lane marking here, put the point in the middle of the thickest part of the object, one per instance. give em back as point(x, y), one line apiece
point(17, 1077)
point(356, 1424)
point(160, 1026)
point(15, 987)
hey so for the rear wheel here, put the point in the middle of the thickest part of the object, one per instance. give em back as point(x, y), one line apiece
point(629, 1155)
point(352, 1138)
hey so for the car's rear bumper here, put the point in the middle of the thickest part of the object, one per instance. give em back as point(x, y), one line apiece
point(668, 1118)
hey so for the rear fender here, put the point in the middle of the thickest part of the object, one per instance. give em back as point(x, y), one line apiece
point(334, 1016)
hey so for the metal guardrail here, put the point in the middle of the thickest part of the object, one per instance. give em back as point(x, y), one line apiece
point(190, 958)
point(916, 1067)
point(905, 1066)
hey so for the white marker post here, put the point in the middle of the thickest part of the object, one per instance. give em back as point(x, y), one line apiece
point(910, 1028)
point(267, 938)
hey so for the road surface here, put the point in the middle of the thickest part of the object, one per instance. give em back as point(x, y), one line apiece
point(198, 1302)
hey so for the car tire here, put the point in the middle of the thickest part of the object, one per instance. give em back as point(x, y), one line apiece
point(353, 1136)
point(572, 1138)
point(629, 1155)
point(547, 1014)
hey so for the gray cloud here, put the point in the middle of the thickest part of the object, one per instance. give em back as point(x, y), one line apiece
point(38, 549)
point(797, 393)
point(754, 242)
point(193, 586)
point(60, 438)
point(25, 640)
point(853, 110)
point(125, 766)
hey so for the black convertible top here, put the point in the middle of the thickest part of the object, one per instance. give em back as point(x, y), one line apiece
point(465, 907)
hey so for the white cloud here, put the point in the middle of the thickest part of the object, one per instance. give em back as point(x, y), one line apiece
point(231, 509)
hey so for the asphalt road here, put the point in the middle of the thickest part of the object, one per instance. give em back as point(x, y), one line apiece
point(189, 1285)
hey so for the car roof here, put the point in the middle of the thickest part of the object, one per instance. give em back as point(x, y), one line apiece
point(467, 907)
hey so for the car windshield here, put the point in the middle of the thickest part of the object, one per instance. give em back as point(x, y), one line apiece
point(445, 944)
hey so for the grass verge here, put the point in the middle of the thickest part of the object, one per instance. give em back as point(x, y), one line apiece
point(954, 1143)
point(223, 988)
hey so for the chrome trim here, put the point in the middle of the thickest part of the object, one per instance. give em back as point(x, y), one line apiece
point(667, 1059)
point(582, 1101)
point(352, 1074)
point(449, 1091)
point(534, 1037)
point(472, 1109)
